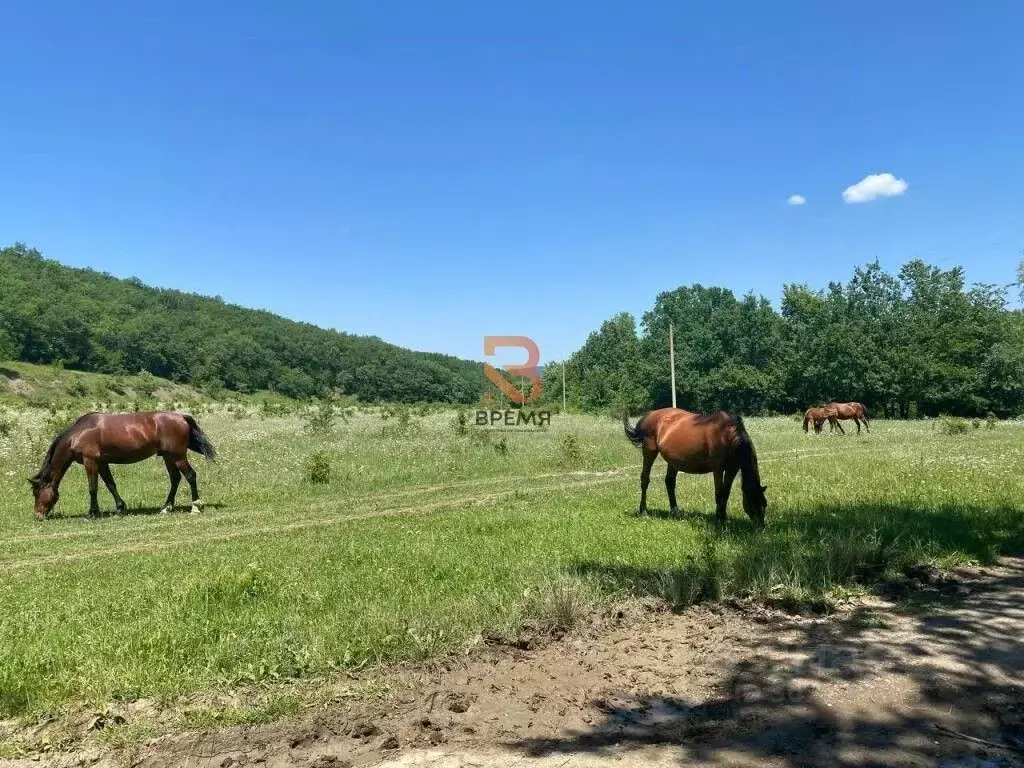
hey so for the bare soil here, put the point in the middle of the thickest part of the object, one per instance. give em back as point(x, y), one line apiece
point(931, 673)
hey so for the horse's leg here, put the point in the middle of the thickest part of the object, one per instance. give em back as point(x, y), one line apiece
point(839, 426)
point(670, 487)
point(91, 468)
point(857, 422)
point(723, 486)
point(190, 477)
point(108, 480)
point(175, 476)
point(645, 478)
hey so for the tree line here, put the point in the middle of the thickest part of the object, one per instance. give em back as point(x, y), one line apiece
point(916, 343)
point(91, 321)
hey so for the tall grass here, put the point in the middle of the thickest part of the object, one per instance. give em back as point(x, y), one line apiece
point(427, 536)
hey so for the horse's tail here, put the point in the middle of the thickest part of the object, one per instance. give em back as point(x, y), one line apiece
point(635, 434)
point(198, 441)
point(863, 412)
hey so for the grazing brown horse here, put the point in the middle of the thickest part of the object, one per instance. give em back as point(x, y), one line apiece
point(698, 443)
point(98, 440)
point(818, 416)
point(854, 411)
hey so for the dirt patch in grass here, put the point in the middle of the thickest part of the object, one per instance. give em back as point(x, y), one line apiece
point(934, 679)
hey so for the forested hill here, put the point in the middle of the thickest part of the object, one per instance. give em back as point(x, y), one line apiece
point(86, 320)
point(916, 343)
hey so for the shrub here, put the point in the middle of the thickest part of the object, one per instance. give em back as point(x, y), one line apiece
point(403, 423)
point(991, 420)
point(570, 449)
point(318, 468)
point(976, 423)
point(320, 421)
point(77, 388)
point(502, 446)
point(460, 423)
point(954, 425)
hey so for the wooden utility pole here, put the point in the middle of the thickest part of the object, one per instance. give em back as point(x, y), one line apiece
point(672, 360)
point(563, 386)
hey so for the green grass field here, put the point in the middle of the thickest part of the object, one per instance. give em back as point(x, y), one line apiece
point(425, 540)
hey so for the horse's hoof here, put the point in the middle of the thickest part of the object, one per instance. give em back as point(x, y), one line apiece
point(196, 509)
point(674, 511)
point(167, 510)
point(122, 510)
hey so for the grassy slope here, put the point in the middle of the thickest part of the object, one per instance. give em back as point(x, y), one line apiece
point(426, 538)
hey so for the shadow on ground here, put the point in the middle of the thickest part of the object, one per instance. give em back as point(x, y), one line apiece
point(925, 682)
point(133, 511)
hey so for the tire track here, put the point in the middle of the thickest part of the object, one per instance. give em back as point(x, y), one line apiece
point(595, 478)
point(420, 509)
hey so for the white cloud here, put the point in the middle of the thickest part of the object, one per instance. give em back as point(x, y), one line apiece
point(796, 200)
point(873, 186)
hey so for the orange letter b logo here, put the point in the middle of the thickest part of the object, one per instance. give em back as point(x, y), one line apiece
point(528, 369)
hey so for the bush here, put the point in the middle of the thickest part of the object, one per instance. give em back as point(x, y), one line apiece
point(570, 448)
point(318, 468)
point(502, 446)
point(991, 420)
point(320, 422)
point(460, 424)
point(976, 423)
point(403, 423)
point(954, 425)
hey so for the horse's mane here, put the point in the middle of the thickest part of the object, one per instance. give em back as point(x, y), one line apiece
point(46, 470)
point(704, 418)
point(746, 455)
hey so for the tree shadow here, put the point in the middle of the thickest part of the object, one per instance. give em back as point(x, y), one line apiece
point(9, 373)
point(971, 705)
point(953, 640)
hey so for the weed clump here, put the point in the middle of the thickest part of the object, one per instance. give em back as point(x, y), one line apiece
point(954, 425)
point(318, 468)
point(399, 421)
point(320, 422)
point(460, 425)
point(571, 451)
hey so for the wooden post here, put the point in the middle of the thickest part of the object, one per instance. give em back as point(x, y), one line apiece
point(563, 386)
point(672, 360)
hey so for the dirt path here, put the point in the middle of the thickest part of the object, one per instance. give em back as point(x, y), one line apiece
point(936, 679)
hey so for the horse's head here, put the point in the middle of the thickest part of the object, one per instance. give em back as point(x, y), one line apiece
point(46, 496)
point(755, 504)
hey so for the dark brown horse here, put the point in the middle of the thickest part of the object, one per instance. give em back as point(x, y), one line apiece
point(697, 444)
point(854, 411)
point(818, 416)
point(98, 440)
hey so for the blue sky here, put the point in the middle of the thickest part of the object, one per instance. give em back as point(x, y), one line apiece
point(434, 172)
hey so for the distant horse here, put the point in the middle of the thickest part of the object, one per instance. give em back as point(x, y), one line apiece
point(854, 411)
point(98, 440)
point(698, 444)
point(818, 416)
